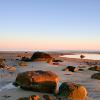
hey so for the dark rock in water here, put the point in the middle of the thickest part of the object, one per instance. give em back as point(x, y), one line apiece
point(82, 56)
point(47, 97)
point(95, 68)
point(40, 56)
point(25, 59)
point(55, 60)
point(96, 76)
point(72, 91)
point(71, 68)
point(15, 84)
point(80, 69)
point(39, 81)
point(33, 97)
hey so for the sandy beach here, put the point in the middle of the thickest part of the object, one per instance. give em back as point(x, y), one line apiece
point(10, 92)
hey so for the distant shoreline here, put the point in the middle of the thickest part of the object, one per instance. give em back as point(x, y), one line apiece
point(56, 51)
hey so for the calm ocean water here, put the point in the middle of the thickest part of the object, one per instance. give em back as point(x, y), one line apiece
point(87, 56)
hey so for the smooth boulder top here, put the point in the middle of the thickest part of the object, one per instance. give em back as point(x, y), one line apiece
point(39, 75)
point(40, 55)
point(28, 77)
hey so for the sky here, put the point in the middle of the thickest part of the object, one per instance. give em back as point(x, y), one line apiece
point(49, 24)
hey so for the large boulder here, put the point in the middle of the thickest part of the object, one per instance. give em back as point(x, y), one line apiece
point(72, 91)
point(96, 76)
point(40, 56)
point(39, 81)
point(71, 68)
point(95, 68)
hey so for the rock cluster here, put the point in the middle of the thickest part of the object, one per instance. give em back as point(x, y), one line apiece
point(46, 81)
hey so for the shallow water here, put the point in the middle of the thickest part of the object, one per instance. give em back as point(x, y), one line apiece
point(87, 56)
point(8, 86)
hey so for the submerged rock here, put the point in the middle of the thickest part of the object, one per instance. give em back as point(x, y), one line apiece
point(72, 91)
point(40, 81)
point(96, 76)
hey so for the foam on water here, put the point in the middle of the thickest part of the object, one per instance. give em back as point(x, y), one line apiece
point(8, 86)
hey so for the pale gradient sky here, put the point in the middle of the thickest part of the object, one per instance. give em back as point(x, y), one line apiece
point(49, 24)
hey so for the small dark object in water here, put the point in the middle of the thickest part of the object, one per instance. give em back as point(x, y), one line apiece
point(82, 56)
point(71, 68)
